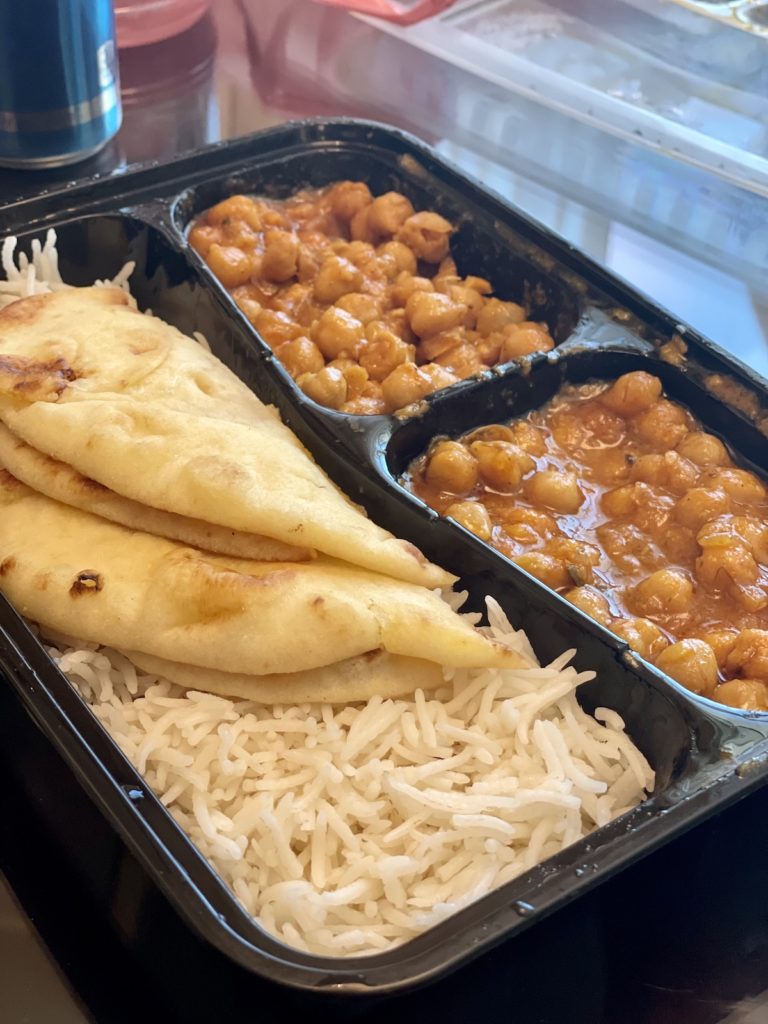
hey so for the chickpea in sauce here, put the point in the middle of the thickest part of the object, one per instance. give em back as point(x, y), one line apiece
point(615, 496)
point(358, 296)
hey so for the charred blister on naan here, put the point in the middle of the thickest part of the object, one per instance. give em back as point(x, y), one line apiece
point(6, 565)
point(86, 582)
point(32, 380)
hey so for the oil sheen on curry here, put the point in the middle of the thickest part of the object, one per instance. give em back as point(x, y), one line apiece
point(358, 296)
point(616, 498)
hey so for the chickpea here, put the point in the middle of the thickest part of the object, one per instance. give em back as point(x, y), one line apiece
point(739, 484)
point(623, 501)
point(670, 470)
point(348, 198)
point(704, 449)
point(473, 516)
point(364, 308)
point(430, 313)
point(337, 333)
point(360, 229)
point(493, 432)
point(662, 426)
point(407, 383)
point(725, 555)
point(405, 285)
point(523, 340)
point(488, 348)
point(496, 315)
point(609, 465)
point(452, 468)
point(336, 277)
point(362, 254)
point(722, 642)
point(230, 266)
point(749, 654)
point(467, 297)
point(382, 351)
point(307, 265)
point(281, 253)
point(202, 237)
point(579, 557)
point(701, 505)
point(528, 437)
point(679, 543)
point(748, 694)
point(397, 322)
point(691, 662)
point(328, 387)
point(666, 592)
point(754, 533)
point(236, 208)
point(642, 635)
point(300, 356)
point(295, 300)
point(591, 601)
point(438, 376)
point(366, 405)
point(388, 213)
point(441, 343)
point(402, 256)
point(528, 525)
point(427, 235)
point(246, 303)
point(502, 465)
point(462, 360)
point(549, 570)
point(555, 489)
point(354, 375)
point(477, 284)
point(276, 328)
point(629, 548)
point(632, 393)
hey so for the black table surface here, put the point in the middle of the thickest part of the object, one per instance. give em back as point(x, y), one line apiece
point(679, 938)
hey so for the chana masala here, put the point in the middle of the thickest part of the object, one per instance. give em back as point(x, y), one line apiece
point(358, 296)
point(616, 498)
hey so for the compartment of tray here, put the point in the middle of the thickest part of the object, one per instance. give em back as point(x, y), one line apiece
point(517, 393)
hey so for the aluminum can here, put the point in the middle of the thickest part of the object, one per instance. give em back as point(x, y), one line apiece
point(59, 84)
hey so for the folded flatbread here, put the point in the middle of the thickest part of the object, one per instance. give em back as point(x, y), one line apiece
point(129, 402)
point(63, 483)
point(85, 576)
point(356, 679)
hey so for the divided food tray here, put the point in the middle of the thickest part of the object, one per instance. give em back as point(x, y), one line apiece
point(705, 755)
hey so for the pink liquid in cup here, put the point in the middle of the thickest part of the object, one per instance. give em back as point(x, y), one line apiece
point(140, 22)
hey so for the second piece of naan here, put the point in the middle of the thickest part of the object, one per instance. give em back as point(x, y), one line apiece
point(84, 576)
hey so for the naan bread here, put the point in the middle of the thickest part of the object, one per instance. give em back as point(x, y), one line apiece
point(84, 576)
point(356, 679)
point(128, 401)
point(63, 483)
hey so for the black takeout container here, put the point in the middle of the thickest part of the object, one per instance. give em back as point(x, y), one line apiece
point(706, 756)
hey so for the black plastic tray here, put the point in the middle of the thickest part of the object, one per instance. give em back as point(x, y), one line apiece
point(705, 755)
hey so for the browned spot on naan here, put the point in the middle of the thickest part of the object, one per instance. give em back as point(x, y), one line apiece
point(7, 564)
point(86, 582)
point(35, 381)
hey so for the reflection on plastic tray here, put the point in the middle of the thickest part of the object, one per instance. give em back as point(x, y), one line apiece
point(692, 87)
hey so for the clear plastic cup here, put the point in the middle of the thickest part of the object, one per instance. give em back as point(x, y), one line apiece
point(140, 22)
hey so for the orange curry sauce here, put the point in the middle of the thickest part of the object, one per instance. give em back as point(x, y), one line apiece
point(358, 296)
point(615, 497)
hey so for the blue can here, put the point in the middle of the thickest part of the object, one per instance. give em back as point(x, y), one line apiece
point(59, 84)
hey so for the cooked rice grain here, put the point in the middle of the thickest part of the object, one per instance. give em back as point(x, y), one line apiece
point(350, 830)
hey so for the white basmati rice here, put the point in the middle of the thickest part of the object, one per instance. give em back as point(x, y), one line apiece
point(350, 830)
point(40, 275)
